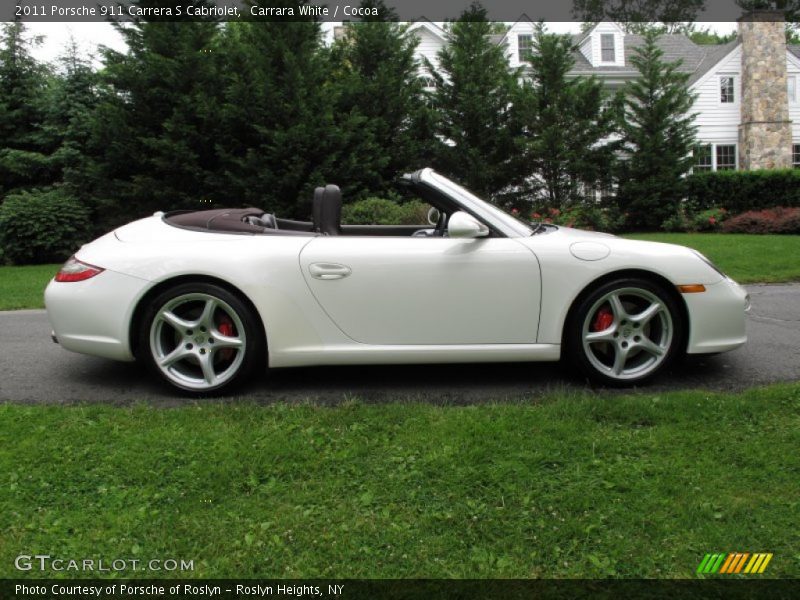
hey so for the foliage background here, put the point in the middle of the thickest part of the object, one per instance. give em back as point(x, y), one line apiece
point(198, 114)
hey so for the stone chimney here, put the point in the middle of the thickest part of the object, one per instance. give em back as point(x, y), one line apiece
point(765, 132)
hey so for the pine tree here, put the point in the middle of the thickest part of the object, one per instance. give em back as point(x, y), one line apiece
point(658, 136)
point(476, 120)
point(152, 132)
point(276, 138)
point(69, 119)
point(23, 88)
point(670, 16)
point(568, 125)
point(375, 68)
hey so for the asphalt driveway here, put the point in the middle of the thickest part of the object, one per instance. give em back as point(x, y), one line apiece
point(34, 370)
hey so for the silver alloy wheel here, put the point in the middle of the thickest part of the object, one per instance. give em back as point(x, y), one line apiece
point(638, 338)
point(187, 345)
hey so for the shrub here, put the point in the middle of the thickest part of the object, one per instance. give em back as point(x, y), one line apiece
point(740, 191)
point(592, 217)
point(379, 211)
point(678, 222)
point(770, 220)
point(414, 212)
point(683, 221)
point(708, 220)
point(42, 225)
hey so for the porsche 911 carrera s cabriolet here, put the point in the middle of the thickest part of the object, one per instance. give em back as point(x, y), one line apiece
point(206, 298)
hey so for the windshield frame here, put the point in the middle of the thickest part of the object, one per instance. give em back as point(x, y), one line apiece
point(495, 217)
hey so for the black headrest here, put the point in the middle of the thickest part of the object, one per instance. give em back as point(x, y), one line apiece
point(316, 208)
point(330, 217)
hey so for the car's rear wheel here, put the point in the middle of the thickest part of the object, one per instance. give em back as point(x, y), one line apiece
point(200, 338)
point(625, 332)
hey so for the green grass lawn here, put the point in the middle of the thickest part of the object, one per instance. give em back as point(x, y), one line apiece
point(746, 258)
point(576, 485)
point(23, 287)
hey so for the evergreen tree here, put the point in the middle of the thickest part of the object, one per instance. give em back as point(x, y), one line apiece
point(637, 16)
point(375, 67)
point(23, 88)
point(658, 137)
point(152, 134)
point(567, 124)
point(790, 8)
point(706, 37)
point(276, 138)
point(476, 121)
point(69, 119)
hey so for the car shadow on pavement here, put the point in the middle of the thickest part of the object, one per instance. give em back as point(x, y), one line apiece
point(462, 383)
point(95, 380)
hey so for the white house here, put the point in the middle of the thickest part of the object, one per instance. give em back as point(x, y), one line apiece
point(747, 91)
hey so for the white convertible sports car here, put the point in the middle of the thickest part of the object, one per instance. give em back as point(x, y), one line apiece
point(205, 298)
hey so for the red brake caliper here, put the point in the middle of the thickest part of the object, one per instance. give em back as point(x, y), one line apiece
point(225, 327)
point(603, 319)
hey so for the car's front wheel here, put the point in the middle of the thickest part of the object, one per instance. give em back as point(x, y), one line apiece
point(625, 332)
point(200, 338)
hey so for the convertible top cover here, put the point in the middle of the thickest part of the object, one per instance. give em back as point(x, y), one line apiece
point(220, 219)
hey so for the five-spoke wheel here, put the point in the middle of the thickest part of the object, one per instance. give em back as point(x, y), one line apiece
point(625, 331)
point(200, 337)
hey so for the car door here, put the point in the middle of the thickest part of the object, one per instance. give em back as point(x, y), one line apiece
point(426, 290)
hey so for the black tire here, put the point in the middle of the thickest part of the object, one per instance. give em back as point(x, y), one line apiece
point(596, 343)
point(205, 322)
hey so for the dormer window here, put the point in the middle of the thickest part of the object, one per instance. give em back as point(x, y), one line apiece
point(607, 51)
point(525, 47)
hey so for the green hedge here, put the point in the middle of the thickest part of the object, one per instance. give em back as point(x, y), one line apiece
point(740, 191)
point(42, 226)
point(379, 211)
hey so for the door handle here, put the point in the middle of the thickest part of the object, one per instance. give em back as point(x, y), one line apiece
point(329, 270)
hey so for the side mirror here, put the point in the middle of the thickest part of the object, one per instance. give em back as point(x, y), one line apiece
point(464, 225)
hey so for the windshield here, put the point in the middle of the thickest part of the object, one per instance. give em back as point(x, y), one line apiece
point(510, 225)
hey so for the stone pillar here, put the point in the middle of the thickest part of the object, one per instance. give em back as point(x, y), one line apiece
point(765, 130)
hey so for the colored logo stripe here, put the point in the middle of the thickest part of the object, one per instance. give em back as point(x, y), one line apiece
point(758, 563)
point(727, 563)
point(734, 562)
point(710, 563)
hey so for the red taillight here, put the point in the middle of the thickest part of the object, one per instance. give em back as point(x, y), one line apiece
point(75, 270)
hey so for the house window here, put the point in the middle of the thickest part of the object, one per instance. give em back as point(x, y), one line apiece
point(703, 160)
point(726, 157)
point(796, 156)
point(726, 90)
point(791, 84)
point(607, 47)
point(525, 47)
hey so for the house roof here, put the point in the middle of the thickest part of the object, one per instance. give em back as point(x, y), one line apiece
point(674, 46)
point(713, 54)
point(423, 23)
point(523, 18)
point(577, 38)
point(697, 59)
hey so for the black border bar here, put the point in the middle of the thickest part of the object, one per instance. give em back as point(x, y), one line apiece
point(397, 589)
point(67, 11)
